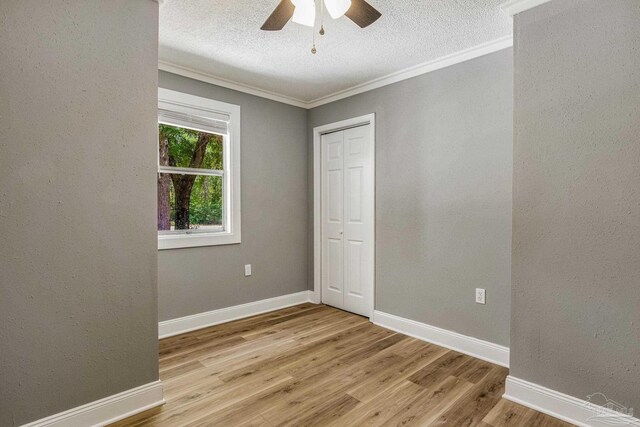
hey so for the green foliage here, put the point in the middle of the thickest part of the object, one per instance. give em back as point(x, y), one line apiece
point(205, 204)
point(182, 144)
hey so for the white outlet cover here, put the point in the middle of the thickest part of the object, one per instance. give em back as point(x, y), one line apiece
point(247, 270)
point(481, 296)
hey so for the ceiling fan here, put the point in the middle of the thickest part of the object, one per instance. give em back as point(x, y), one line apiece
point(304, 12)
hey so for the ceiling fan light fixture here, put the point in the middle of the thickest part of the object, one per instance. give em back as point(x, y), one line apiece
point(337, 8)
point(305, 12)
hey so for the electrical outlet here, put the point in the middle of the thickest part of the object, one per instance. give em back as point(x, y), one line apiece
point(481, 296)
point(247, 270)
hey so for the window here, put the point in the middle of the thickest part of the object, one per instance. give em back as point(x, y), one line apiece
point(198, 171)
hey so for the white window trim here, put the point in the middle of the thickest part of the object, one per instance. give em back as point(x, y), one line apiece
point(232, 231)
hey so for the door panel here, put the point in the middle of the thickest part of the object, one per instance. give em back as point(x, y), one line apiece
point(355, 195)
point(353, 264)
point(358, 236)
point(334, 265)
point(347, 219)
point(334, 197)
point(332, 220)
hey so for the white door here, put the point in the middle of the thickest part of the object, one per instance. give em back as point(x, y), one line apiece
point(347, 219)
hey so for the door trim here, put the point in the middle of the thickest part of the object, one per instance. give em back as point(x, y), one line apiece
point(369, 119)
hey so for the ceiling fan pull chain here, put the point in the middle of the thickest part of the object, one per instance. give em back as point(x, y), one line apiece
point(322, 17)
point(313, 49)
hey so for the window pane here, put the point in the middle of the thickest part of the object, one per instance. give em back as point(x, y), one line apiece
point(186, 148)
point(189, 202)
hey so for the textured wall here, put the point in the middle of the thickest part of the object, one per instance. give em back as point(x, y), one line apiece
point(77, 203)
point(575, 322)
point(274, 214)
point(443, 194)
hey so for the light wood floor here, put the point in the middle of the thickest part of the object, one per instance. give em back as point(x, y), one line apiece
point(316, 365)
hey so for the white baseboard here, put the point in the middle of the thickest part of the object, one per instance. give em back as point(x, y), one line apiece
point(181, 325)
point(108, 410)
point(314, 297)
point(564, 407)
point(475, 347)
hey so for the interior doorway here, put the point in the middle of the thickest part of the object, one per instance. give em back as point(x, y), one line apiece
point(344, 214)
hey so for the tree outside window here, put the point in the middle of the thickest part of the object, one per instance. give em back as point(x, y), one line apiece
point(190, 180)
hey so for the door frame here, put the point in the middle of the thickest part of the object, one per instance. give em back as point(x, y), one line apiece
point(368, 119)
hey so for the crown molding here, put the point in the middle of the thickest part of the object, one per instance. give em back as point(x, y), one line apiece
point(407, 73)
point(229, 84)
point(514, 7)
point(417, 70)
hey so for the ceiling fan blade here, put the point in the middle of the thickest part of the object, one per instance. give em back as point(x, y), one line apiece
point(280, 16)
point(362, 13)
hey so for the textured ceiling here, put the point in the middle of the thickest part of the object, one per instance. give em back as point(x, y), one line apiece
point(223, 38)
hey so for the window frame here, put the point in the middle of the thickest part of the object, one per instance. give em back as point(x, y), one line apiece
point(231, 233)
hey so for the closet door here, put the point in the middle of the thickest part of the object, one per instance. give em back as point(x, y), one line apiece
point(332, 219)
point(347, 220)
point(358, 221)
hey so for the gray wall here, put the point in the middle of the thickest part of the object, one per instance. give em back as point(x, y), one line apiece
point(443, 194)
point(274, 214)
point(77, 203)
point(575, 323)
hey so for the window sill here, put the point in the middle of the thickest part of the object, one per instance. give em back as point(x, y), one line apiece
point(197, 240)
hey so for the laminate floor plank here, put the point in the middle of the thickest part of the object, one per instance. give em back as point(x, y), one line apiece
point(332, 346)
point(380, 380)
point(474, 405)
point(506, 414)
point(178, 340)
point(314, 365)
point(539, 419)
point(179, 370)
point(377, 412)
point(430, 403)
